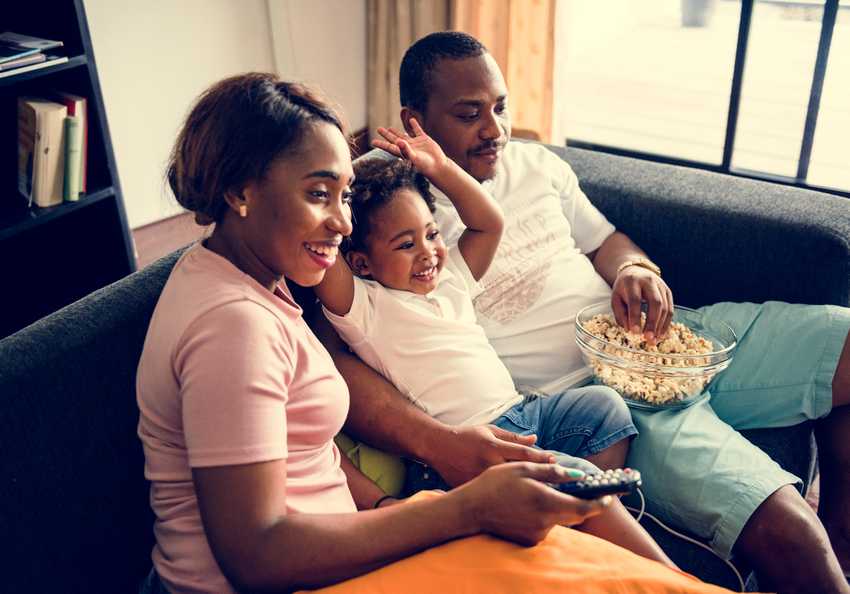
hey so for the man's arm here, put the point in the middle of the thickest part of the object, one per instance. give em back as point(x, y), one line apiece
point(633, 285)
point(383, 417)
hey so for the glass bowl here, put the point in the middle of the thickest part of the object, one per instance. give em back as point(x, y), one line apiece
point(650, 379)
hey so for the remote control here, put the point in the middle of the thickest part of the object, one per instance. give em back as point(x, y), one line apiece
point(621, 481)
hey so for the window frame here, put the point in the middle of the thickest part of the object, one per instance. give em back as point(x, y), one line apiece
point(830, 11)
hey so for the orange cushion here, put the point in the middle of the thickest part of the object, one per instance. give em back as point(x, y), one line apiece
point(565, 561)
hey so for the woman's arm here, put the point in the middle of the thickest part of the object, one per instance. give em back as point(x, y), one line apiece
point(478, 211)
point(259, 546)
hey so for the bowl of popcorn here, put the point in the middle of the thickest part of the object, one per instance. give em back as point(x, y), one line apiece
point(673, 372)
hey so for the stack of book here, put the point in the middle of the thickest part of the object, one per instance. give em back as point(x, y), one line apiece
point(52, 148)
point(51, 128)
point(22, 53)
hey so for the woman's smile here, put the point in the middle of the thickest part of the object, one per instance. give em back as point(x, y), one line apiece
point(323, 253)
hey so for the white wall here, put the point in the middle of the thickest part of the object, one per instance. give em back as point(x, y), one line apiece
point(155, 57)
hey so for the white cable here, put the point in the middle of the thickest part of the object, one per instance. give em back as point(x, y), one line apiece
point(642, 512)
point(642, 506)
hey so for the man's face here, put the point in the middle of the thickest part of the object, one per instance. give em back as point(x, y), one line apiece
point(467, 113)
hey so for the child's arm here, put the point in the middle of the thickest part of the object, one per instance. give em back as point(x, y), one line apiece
point(478, 211)
point(336, 291)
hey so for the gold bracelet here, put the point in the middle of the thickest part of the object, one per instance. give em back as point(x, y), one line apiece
point(642, 262)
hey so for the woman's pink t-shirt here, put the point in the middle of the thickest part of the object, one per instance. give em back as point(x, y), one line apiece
point(231, 374)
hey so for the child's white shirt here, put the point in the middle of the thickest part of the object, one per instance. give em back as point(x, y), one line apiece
point(430, 346)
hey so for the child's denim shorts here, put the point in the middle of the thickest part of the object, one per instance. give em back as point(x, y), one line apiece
point(574, 424)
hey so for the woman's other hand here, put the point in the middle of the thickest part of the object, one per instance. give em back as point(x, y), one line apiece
point(514, 501)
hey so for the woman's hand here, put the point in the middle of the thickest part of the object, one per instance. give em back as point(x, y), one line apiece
point(420, 149)
point(634, 285)
point(514, 502)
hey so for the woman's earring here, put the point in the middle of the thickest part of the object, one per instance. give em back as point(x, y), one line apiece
point(243, 210)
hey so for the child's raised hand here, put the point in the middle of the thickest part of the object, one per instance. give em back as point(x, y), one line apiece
point(420, 149)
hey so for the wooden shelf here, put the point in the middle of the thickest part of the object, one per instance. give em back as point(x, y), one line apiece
point(53, 256)
point(14, 79)
point(29, 218)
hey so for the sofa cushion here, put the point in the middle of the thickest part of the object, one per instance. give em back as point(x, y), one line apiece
point(724, 238)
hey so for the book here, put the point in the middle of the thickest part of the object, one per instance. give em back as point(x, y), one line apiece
point(13, 52)
point(73, 158)
point(52, 60)
point(41, 150)
point(26, 43)
point(18, 62)
point(78, 107)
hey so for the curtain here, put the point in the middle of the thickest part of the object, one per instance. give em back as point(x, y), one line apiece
point(520, 35)
point(393, 26)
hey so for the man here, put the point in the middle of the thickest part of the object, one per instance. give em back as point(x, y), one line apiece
point(557, 254)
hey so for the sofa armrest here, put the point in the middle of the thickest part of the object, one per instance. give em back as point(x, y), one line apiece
point(722, 238)
point(71, 469)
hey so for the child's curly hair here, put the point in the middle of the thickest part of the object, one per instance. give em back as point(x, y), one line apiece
point(376, 182)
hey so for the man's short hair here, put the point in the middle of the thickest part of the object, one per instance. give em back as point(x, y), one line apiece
point(414, 80)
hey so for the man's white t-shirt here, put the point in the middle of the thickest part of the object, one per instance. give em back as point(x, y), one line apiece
point(540, 277)
point(430, 346)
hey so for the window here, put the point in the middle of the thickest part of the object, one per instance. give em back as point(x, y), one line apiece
point(757, 88)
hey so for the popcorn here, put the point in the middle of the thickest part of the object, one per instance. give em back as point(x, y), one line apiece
point(651, 387)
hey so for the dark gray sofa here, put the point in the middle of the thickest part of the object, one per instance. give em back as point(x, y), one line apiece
point(74, 512)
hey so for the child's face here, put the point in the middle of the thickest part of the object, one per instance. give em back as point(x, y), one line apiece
point(405, 248)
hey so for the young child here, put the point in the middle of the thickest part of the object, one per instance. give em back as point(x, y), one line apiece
point(407, 311)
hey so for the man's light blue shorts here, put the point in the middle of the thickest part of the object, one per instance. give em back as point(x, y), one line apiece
point(699, 472)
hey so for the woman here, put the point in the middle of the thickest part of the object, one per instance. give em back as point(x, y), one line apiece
point(239, 401)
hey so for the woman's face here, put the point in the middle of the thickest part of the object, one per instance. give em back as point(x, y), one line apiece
point(299, 213)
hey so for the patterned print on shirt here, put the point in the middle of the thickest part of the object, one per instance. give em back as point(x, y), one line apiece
point(521, 267)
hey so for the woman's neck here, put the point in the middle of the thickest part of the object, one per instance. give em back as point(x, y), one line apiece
point(228, 245)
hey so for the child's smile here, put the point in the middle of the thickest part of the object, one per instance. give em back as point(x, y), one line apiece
point(405, 249)
point(427, 275)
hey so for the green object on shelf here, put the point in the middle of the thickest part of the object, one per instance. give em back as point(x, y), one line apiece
point(73, 158)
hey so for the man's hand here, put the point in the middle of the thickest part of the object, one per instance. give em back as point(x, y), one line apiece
point(466, 452)
point(420, 149)
point(634, 285)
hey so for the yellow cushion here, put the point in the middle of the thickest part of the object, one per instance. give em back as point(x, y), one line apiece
point(385, 470)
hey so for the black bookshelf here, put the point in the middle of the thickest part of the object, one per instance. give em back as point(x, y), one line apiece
point(50, 257)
